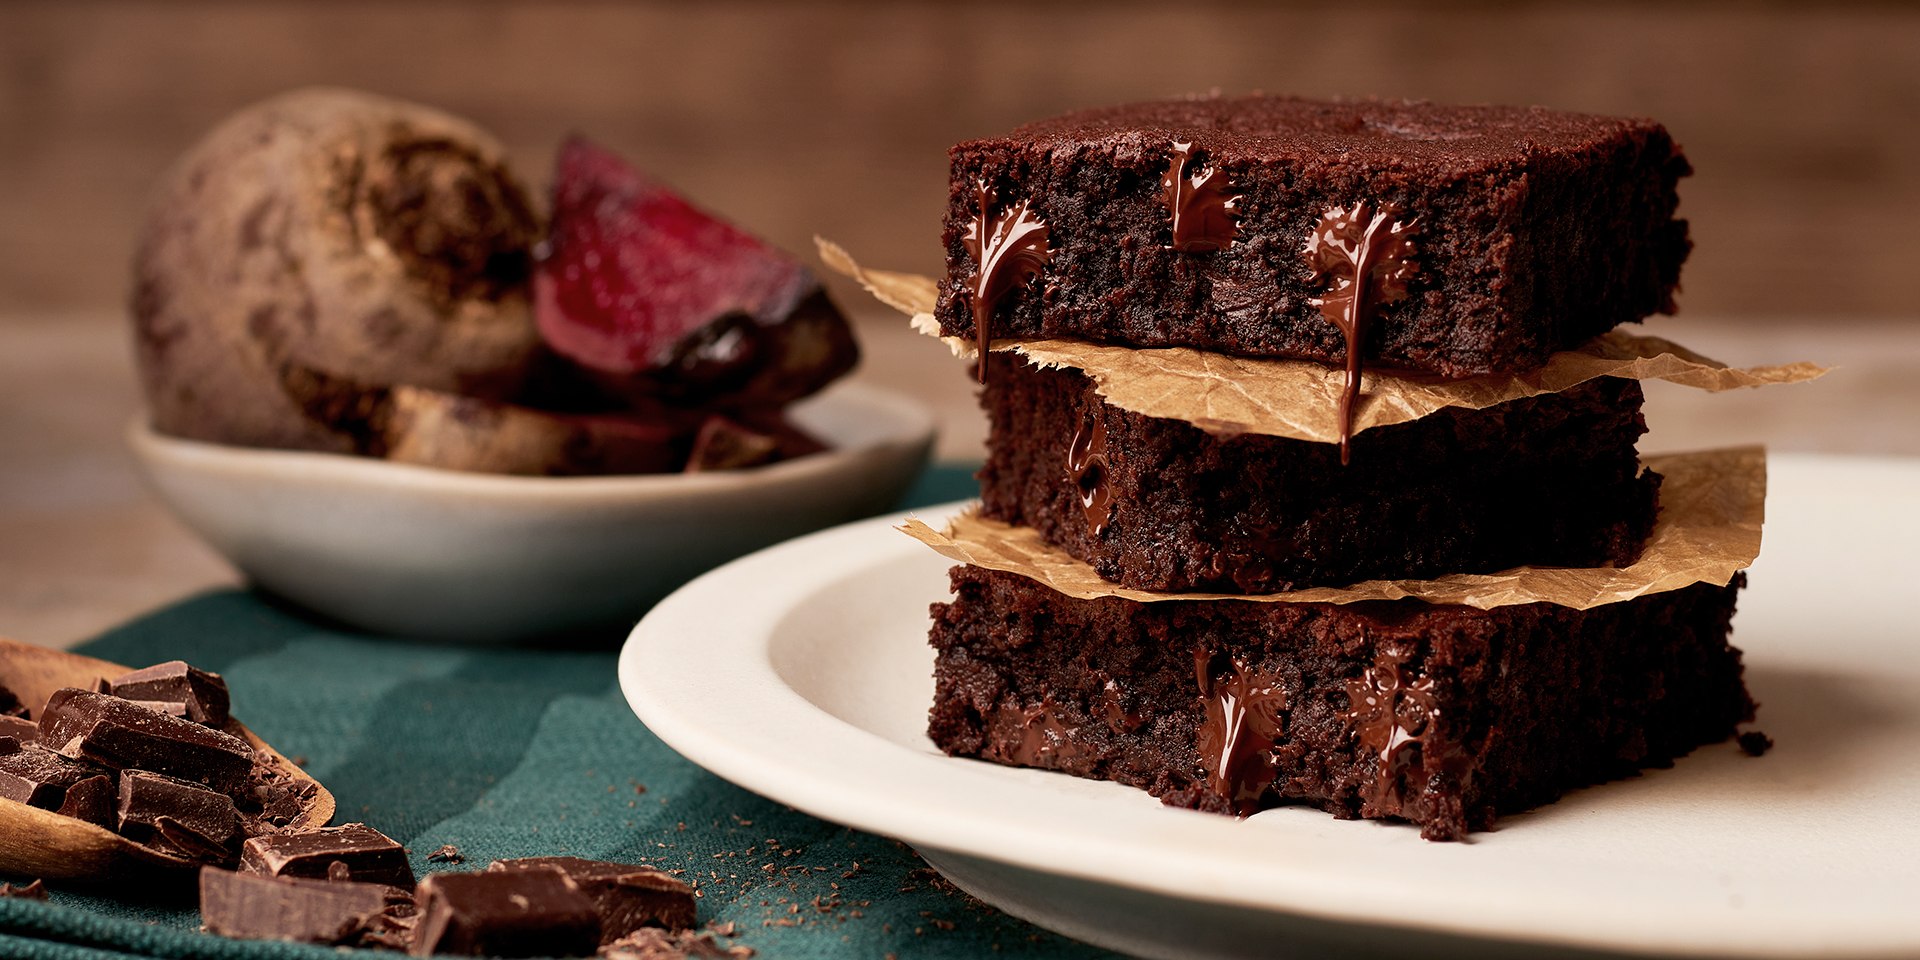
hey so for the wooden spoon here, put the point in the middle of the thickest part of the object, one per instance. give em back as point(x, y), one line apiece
point(44, 844)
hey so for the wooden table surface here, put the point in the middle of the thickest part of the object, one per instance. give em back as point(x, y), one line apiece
point(83, 546)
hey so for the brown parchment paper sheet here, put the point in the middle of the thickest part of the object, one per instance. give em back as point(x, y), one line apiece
point(1711, 507)
point(1230, 395)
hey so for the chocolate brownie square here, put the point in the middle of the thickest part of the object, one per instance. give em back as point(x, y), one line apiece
point(1159, 504)
point(1443, 716)
point(1187, 223)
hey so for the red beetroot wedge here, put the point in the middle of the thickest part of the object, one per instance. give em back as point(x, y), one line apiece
point(660, 298)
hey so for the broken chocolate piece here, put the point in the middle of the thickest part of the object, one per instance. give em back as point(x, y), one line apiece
point(9, 745)
point(19, 728)
point(178, 816)
point(448, 853)
point(282, 803)
point(366, 854)
point(167, 707)
point(287, 908)
point(512, 913)
point(202, 696)
point(121, 734)
point(91, 800)
point(10, 705)
point(627, 896)
point(39, 777)
point(31, 891)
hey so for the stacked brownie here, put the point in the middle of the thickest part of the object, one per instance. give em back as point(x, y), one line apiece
point(1385, 238)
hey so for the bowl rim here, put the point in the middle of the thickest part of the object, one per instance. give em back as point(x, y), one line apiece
point(912, 424)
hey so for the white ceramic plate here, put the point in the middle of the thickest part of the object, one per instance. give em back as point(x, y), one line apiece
point(421, 552)
point(802, 673)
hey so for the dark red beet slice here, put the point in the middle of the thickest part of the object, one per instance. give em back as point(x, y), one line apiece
point(660, 298)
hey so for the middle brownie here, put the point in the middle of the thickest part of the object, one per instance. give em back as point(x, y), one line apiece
point(1159, 504)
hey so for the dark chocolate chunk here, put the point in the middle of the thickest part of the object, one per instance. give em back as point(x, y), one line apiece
point(39, 778)
point(273, 797)
point(287, 908)
point(628, 897)
point(392, 930)
point(123, 735)
point(31, 891)
point(202, 696)
point(512, 913)
point(10, 705)
point(1754, 743)
point(178, 816)
point(366, 854)
point(19, 728)
point(283, 803)
point(9, 745)
point(167, 707)
point(91, 800)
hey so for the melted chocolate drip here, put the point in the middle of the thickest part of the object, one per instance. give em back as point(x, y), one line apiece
point(1368, 257)
point(1113, 708)
point(1199, 204)
point(1087, 471)
point(1008, 250)
point(1044, 740)
point(1245, 720)
point(1392, 708)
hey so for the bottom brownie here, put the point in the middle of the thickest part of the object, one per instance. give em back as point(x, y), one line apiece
point(1445, 716)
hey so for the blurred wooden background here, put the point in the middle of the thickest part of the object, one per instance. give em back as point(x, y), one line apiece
point(1803, 119)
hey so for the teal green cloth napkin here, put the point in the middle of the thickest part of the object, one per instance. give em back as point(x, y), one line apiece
point(522, 752)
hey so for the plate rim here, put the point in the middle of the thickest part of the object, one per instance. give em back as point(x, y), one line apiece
point(683, 719)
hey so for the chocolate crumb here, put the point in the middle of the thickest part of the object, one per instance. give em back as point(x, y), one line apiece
point(448, 853)
point(1755, 743)
point(30, 891)
point(653, 943)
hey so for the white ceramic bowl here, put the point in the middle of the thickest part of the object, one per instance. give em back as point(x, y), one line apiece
point(420, 552)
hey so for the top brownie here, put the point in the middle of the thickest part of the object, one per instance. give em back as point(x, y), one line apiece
point(1532, 230)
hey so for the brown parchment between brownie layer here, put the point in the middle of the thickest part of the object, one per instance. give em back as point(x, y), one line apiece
point(1711, 507)
point(1227, 395)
